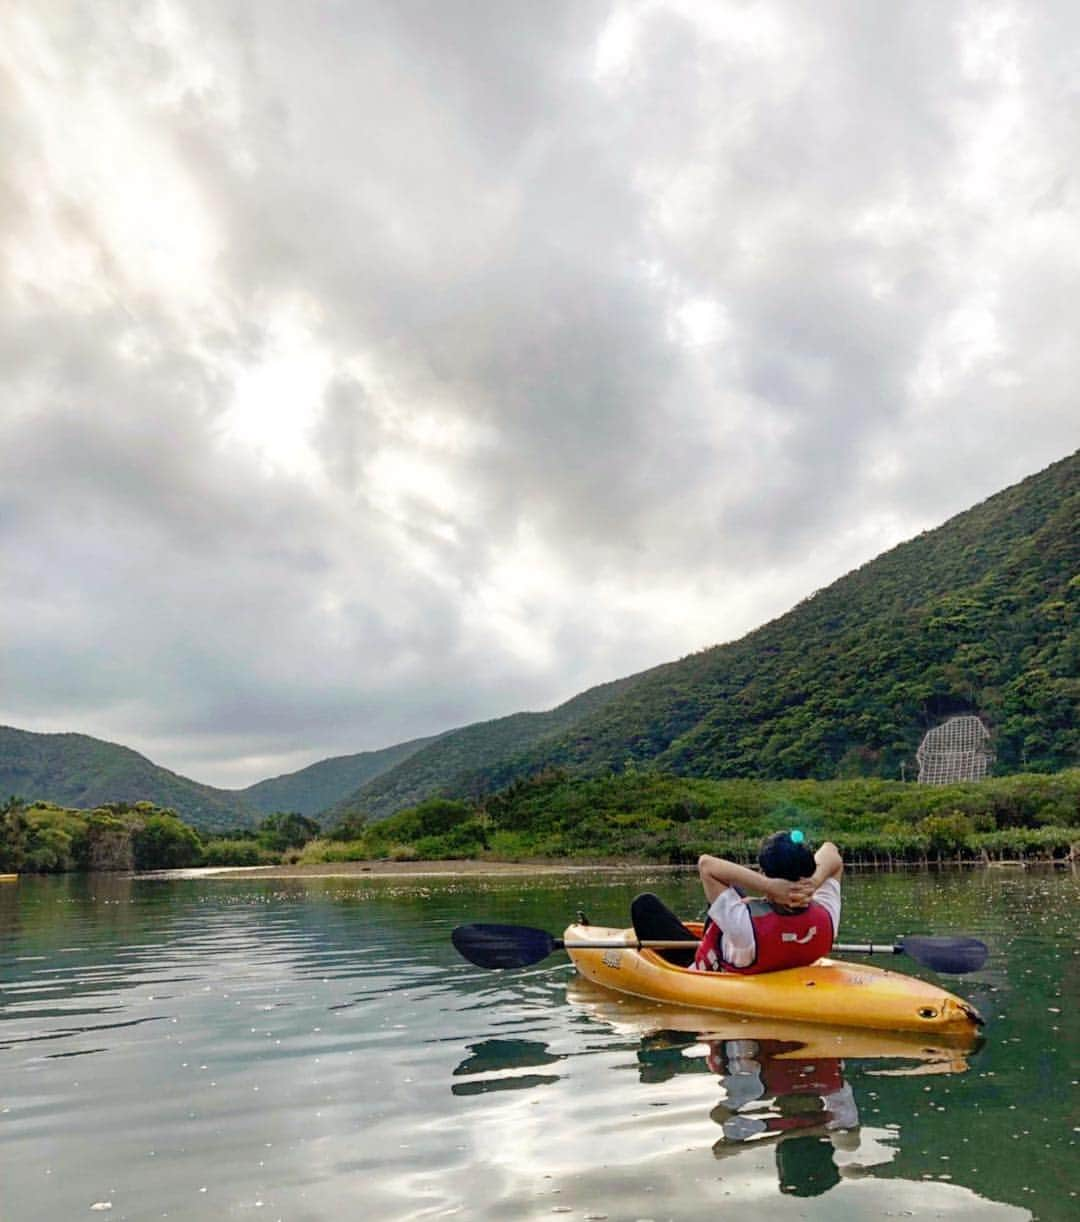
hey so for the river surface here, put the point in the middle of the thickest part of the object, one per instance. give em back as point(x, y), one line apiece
point(210, 1048)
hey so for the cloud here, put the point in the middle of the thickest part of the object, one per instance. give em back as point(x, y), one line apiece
point(368, 372)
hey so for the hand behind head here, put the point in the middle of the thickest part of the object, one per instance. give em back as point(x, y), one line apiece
point(789, 894)
point(802, 893)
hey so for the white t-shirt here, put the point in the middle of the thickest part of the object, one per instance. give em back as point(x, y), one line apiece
point(732, 913)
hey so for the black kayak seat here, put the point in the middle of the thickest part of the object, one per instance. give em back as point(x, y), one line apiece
point(653, 920)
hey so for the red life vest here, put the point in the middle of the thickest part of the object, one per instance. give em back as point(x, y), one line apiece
point(782, 939)
point(779, 1072)
point(819, 1077)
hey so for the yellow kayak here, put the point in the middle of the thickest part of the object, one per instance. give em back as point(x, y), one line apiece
point(9, 878)
point(829, 991)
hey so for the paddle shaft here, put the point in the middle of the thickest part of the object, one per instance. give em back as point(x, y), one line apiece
point(650, 944)
point(849, 948)
point(869, 948)
point(940, 957)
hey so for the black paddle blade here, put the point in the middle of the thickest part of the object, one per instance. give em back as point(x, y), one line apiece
point(503, 945)
point(952, 955)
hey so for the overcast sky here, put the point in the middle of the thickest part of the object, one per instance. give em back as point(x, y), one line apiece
point(368, 369)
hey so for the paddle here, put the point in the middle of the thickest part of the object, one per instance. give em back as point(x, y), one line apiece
point(952, 955)
point(521, 945)
point(505, 946)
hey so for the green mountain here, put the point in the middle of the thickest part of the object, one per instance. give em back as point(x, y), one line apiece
point(462, 762)
point(980, 615)
point(78, 771)
point(322, 785)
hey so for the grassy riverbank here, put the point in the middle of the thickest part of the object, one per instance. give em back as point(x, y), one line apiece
point(642, 817)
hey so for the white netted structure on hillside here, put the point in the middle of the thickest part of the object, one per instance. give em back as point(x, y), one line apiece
point(958, 750)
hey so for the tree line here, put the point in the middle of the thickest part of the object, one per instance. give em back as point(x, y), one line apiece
point(649, 816)
point(644, 816)
point(43, 838)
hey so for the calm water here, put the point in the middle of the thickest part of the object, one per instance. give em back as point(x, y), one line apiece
point(236, 1049)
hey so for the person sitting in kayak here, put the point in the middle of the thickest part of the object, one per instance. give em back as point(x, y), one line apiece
point(794, 925)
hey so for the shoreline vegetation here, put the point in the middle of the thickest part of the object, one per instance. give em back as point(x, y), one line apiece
point(633, 818)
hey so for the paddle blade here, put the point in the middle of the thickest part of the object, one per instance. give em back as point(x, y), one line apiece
point(496, 946)
point(952, 955)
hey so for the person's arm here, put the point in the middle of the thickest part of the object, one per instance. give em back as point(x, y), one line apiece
point(717, 874)
point(828, 864)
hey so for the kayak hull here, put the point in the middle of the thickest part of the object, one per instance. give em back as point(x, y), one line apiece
point(829, 991)
point(788, 1038)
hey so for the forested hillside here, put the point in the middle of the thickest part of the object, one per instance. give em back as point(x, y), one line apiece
point(459, 759)
point(78, 771)
point(319, 786)
point(979, 615)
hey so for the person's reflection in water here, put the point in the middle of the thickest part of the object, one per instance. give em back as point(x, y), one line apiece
point(773, 1093)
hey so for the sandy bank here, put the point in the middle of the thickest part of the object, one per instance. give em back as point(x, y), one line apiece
point(407, 869)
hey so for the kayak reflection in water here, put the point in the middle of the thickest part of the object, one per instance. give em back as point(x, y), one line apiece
point(805, 1104)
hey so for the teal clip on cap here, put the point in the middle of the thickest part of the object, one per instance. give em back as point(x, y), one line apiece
point(796, 836)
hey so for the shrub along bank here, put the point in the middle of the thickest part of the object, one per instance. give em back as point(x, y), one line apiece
point(641, 816)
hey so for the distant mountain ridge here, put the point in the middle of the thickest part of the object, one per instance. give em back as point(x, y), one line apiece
point(83, 772)
point(319, 786)
point(451, 762)
point(981, 614)
point(79, 771)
